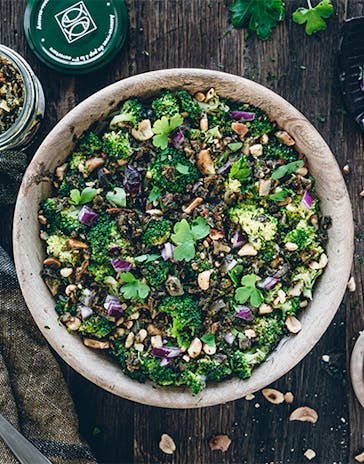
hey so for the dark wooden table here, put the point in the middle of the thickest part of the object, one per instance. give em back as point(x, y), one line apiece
point(197, 33)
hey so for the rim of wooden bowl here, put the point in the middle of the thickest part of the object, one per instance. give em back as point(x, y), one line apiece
point(28, 251)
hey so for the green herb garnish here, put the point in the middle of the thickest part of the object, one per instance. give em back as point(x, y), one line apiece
point(80, 198)
point(314, 17)
point(286, 169)
point(133, 288)
point(163, 127)
point(185, 236)
point(248, 291)
point(117, 197)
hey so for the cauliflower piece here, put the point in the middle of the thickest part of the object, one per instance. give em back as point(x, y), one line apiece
point(57, 247)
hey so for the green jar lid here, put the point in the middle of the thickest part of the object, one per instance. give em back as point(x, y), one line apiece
point(74, 36)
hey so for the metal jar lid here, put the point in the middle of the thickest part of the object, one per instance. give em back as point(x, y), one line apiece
point(76, 37)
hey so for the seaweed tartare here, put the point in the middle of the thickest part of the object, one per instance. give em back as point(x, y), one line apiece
point(184, 237)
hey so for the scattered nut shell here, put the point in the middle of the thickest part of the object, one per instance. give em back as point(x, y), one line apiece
point(220, 442)
point(302, 171)
point(288, 397)
point(204, 163)
point(141, 336)
point(96, 344)
point(361, 193)
point(264, 139)
point(264, 187)
point(209, 349)
point(239, 128)
point(73, 323)
point(66, 272)
point(249, 397)
point(250, 333)
point(323, 260)
point(199, 96)
point(144, 131)
point(203, 280)
point(256, 150)
point(204, 124)
point(167, 444)
point(216, 234)
point(195, 348)
point(247, 250)
point(70, 289)
point(273, 396)
point(129, 340)
point(265, 309)
point(42, 219)
point(281, 296)
point(346, 169)
point(360, 457)
point(309, 454)
point(194, 203)
point(296, 290)
point(76, 244)
point(52, 262)
point(351, 284)
point(304, 414)
point(293, 324)
point(156, 341)
point(139, 347)
point(60, 171)
point(291, 246)
point(94, 163)
point(285, 138)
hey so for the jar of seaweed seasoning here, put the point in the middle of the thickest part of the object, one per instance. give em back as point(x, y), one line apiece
point(21, 101)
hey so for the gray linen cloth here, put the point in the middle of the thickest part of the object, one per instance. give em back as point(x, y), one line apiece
point(33, 394)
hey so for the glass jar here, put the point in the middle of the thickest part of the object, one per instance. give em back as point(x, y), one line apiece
point(22, 132)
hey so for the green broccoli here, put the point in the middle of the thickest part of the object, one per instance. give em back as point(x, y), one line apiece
point(65, 305)
point(172, 171)
point(194, 134)
point(157, 232)
point(57, 246)
point(278, 150)
point(189, 105)
point(289, 307)
point(73, 180)
point(78, 161)
point(117, 144)
point(261, 124)
point(165, 105)
point(162, 375)
point(269, 330)
point(186, 317)
point(60, 219)
point(196, 382)
point(213, 369)
point(242, 362)
point(303, 235)
point(132, 112)
point(156, 272)
point(90, 143)
point(97, 326)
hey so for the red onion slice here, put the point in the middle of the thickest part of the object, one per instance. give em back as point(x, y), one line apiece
point(268, 283)
point(167, 251)
point(166, 352)
point(307, 199)
point(112, 305)
point(244, 312)
point(245, 115)
point(238, 240)
point(120, 265)
point(86, 311)
point(87, 216)
point(229, 338)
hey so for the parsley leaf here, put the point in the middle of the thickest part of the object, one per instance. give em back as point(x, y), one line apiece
point(239, 170)
point(279, 196)
point(146, 258)
point(117, 197)
point(87, 195)
point(185, 236)
point(248, 291)
point(209, 339)
point(182, 168)
point(163, 127)
point(314, 17)
point(286, 169)
point(133, 288)
point(235, 146)
point(259, 16)
point(155, 193)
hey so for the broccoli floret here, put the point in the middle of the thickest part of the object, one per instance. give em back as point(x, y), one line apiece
point(162, 375)
point(65, 305)
point(303, 235)
point(166, 174)
point(103, 234)
point(70, 220)
point(73, 180)
point(290, 307)
point(186, 317)
point(57, 246)
point(100, 271)
point(97, 326)
point(269, 330)
point(308, 278)
point(78, 161)
point(51, 208)
point(157, 232)
point(196, 382)
point(261, 124)
point(277, 150)
point(194, 134)
point(189, 104)
point(165, 105)
point(242, 362)
point(156, 272)
point(117, 144)
point(90, 143)
point(212, 369)
point(132, 112)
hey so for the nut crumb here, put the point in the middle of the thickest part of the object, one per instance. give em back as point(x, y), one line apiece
point(351, 284)
point(309, 454)
point(346, 169)
point(304, 414)
point(167, 444)
point(220, 442)
point(288, 397)
point(325, 358)
point(249, 396)
point(360, 457)
point(273, 396)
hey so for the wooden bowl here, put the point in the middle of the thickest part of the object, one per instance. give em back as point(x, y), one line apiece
point(29, 252)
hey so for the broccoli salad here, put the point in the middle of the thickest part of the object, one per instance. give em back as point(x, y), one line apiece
point(183, 237)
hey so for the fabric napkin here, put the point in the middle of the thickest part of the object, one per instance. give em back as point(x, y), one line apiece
point(33, 394)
